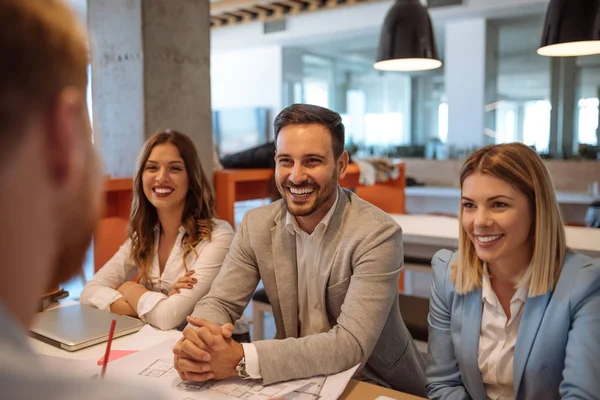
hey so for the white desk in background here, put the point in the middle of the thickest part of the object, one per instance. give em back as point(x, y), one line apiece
point(445, 199)
point(423, 235)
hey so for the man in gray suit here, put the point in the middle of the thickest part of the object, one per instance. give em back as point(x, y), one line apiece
point(330, 264)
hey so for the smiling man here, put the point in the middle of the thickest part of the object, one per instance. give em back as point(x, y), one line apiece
point(330, 264)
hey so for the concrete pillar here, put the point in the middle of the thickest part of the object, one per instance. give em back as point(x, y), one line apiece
point(520, 122)
point(466, 71)
point(293, 75)
point(491, 79)
point(150, 72)
point(562, 96)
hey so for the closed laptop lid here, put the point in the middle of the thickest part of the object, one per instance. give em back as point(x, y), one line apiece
point(77, 326)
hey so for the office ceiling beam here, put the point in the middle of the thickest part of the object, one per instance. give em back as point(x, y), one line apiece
point(235, 12)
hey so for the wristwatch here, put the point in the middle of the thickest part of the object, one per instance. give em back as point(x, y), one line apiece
point(241, 369)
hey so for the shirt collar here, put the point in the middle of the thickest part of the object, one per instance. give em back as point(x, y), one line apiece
point(488, 294)
point(292, 225)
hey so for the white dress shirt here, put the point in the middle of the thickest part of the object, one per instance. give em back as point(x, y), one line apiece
point(311, 310)
point(497, 339)
point(155, 307)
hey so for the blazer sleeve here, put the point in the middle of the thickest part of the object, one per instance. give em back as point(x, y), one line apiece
point(373, 287)
point(168, 312)
point(101, 291)
point(581, 376)
point(443, 374)
point(234, 285)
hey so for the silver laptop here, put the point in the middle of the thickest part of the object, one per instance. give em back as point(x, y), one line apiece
point(76, 327)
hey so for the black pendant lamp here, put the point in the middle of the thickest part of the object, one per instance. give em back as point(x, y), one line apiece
point(407, 42)
point(572, 28)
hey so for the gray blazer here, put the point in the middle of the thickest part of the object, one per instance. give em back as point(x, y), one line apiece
point(362, 253)
point(557, 354)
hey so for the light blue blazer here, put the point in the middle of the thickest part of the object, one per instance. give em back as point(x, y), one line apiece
point(557, 354)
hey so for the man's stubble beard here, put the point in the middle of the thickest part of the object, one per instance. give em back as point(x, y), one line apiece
point(327, 191)
point(78, 225)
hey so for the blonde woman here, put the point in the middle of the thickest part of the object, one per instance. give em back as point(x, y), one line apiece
point(175, 244)
point(514, 314)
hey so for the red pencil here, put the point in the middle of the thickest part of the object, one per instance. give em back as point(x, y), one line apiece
point(107, 353)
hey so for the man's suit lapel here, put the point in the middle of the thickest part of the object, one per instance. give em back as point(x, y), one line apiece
point(471, 324)
point(331, 241)
point(286, 275)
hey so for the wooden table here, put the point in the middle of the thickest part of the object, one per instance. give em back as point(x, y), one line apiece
point(233, 185)
point(357, 390)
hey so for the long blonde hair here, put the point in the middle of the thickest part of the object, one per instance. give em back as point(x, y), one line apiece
point(521, 167)
point(198, 213)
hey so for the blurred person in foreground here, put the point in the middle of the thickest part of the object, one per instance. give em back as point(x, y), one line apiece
point(52, 179)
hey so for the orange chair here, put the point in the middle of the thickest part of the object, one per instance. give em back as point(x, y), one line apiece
point(110, 234)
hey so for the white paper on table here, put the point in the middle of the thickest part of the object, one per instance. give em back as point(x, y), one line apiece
point(154, 367)
point(328, 387)
point(142, 339)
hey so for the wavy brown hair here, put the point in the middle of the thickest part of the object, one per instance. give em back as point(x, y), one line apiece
point(521, 167)
point(198, 213)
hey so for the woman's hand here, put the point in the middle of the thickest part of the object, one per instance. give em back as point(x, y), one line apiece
point(185, 282)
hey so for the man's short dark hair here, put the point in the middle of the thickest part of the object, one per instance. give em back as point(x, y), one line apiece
point(299, 114)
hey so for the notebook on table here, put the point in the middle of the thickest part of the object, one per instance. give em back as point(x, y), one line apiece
point(77, 326)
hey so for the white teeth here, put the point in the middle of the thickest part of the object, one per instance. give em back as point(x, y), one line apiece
point(163, 190)
point(302, 191)
point(486, 239)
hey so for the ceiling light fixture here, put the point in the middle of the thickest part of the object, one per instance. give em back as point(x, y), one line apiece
point(572, 28)
point(407, 42)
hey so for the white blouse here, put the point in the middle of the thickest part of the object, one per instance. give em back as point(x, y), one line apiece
point(155, 307)
point(497, 339)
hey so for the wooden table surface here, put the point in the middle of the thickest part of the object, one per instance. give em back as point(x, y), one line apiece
point(357, 390)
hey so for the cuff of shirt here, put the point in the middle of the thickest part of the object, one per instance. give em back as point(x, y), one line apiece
point(104, 297)
point(252, 364)
point(147, 302)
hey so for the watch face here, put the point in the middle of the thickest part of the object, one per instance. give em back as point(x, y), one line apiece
point(241, 369)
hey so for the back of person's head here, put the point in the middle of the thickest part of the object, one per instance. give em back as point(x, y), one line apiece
point(199, 211)
point(306, 114)
point(521, 167)
point(46, 151)
point(43, 52)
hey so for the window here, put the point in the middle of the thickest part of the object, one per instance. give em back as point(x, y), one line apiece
point(536, 129)
point(588, 121)
point(89, 99)
point(316, 92)
point(385, 129)
point(443, 122)
point(506, 122)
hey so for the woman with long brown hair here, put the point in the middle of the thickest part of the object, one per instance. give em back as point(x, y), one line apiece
point(175, 244)
point(514, 314)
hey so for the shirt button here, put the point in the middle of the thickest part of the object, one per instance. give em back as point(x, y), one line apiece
point(316, 306)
